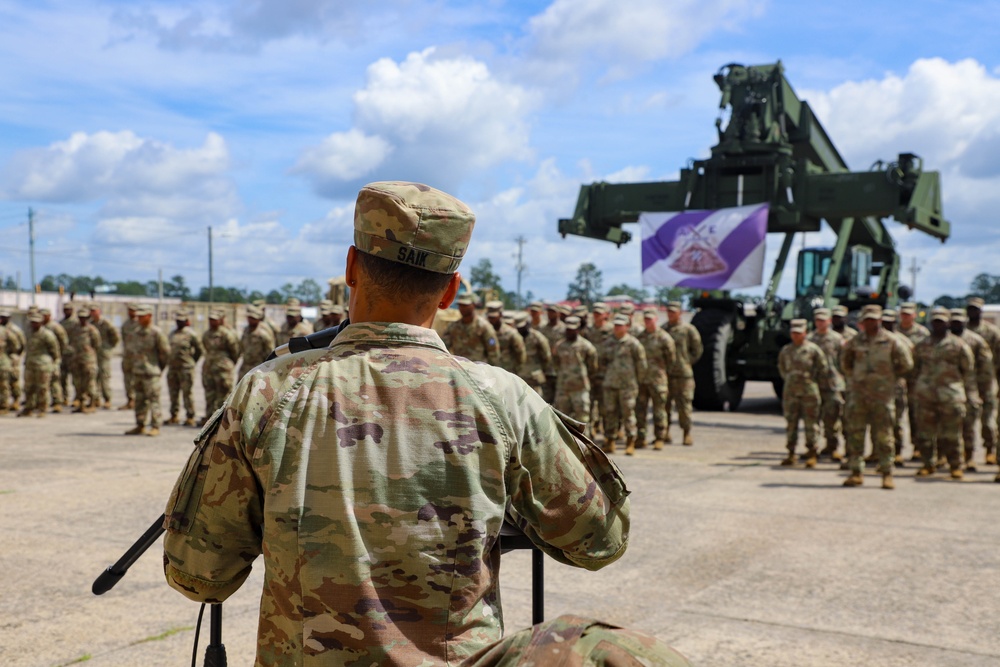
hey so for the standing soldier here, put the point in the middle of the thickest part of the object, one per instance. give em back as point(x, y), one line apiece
point(294, 326)
point(946, 383)
point(872, 361)
point(537, 353)
point(624, 363)
point(4, 368)
point(512, 352)
point(128, 330)
point(471, 336)
point(256, 342)
point(986, 385)
point(991, 334)
point(55, 385)
point(553, 330)
point(914, 332)
point(185, 351)
point(654, 385)
point(271, 325)
point(69, 324)
point(324, 310)
point(41, 360)
point(109, 339)
point(831, 394)
point(150, 355)
point(86, 344)
point(598, 334)
point(687, 342)
point(805, 371)
point(840, 323)
point(889, 324)
point(575, 361)
point(15, 348)
point(222, 350)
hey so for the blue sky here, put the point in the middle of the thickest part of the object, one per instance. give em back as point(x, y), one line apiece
point(129, 127)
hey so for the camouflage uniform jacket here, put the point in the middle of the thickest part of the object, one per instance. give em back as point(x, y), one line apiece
point(538, 357)
point(831, 343)
point(60, 333)
point(805, 370)
point(915, 334)
point(991, 334)
point(18, 341)
point(624, 363)
point(600, 337)
point(554, 333)
point(43, 351)
point(302, 328)
point(872, 365)
point(257, 345)
point(109, 336)
point(70, 325)
point(85, 341)
point(848, 333)
point(4, 346)
point(512, 350)
point(150, 352)
point(575, 364)
point(476, 341)
point(687, 342)
point(374, 476)
point(982, 358)
point(945, 370)
point(222, 350)
point(660, 353)
point(185, 348)
point(128, 332)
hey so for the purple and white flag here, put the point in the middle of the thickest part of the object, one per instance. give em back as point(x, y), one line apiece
point(721, 249)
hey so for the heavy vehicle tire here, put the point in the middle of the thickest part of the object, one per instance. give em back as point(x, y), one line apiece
point(715, 388)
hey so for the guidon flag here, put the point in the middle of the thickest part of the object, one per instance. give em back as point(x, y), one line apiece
point(720, 249)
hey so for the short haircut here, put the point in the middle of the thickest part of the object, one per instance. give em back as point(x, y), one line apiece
point(389, 279)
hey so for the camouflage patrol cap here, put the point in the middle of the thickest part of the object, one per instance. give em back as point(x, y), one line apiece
point(494, 306)
point(466, 300)
point(821, 314)
point(536, 307)
point(255, 312)
point(871, 312)
point(412, 224)
point(620, 320)
point(572, 323)
point(581, 311)
point(908, 308)
point(958, 315)
point(336, 309)
point(888, 315)
point(180, 315)
point(839, 311)
point(600, 307)
point(293, 311)
point(36, 317)
point(650, 312)
point(130, 305)
point(45, 311)
point(940, 313)
point(69, 305)
point(798, 326)
point(562, 310)
point(260, 302)
point(216, 314)
point(521, 320)
point(975, 302)
point(674, 306)
point(143, 309)
point(627, 308)
point(83, 311)
point(552, 305)
point(4, 312)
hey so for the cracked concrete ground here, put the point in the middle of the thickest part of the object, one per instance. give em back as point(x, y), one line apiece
point(733, 559)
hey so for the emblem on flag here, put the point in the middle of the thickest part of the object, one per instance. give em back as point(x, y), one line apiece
point(720, 249)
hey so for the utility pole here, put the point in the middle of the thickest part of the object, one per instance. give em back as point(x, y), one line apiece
point(31, 250)
point(211, 286)
point(914, 270)
point(520, 269)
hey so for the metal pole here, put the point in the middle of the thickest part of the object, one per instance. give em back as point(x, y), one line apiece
point(31, 250)
point(17, 298)
point(520, 269)
point(211, 286)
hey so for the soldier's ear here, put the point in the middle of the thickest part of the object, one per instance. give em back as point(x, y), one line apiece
point(451, 291)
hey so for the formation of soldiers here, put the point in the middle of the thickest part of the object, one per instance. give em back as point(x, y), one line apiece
point(855, 383)
point(603, 369)
point(73, 357)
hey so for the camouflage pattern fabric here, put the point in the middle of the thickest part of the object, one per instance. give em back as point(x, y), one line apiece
point(687, 343)
point(476, 341)
point(554, 333)
point(599, 338)
point(655, 385)
point(624, 364)
point(982, 411)
point(575, 363)
point(374, 477)
point(991, 409)
point(900, 400)
point(257, 345)
point(5, 345)
point(128, 331)
point(831, 398)
point(58, 397)
point(512, 350)
point(67, 363)
point(286, 333)
point(538, 359)
point(86, 342)
point(806, 372)
point(16, 344)
point(109, 339)
point(151, 353)
point(914, 334)
point(185, 350)
point(872, 365)
point(946, 382)
point(41, 360)
point(222, 350)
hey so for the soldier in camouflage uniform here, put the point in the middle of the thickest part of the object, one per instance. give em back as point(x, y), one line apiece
point(575, 361)
point(55, 386)
point(408, 458)
point(512, 352)
point(4, 368)
point(687, 343)
point(946, 383)
point(805, 371)
point(185, 351)
point(553, 330)
point(624, 364)
point(294, 326)
point(86, 344)
point(832, 396)
point(839, 324)
point(15, 348)
point(222, 351)
point(537, 353)
point(872, 361)
point(256, 342)
point(599, 335)
point(471, 336)
point(986, 385)
point(69, 324)
point(271, 325)
point(914, 332)
point(655, 385)
point(128, 330)
point(991, 334)
point(41, 360)
point(109, 340)
point(900, 403)
point(150, 355)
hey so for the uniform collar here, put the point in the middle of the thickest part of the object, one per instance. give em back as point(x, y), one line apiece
point(379, 334)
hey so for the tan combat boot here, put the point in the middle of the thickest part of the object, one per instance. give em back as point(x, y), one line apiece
point(688, 440)
point(887, 482)
point(856, 479)
point(956, 474)
point(991, 458)
point(811, 458)
point(789, 460)
point(925, 472)
point(189, 421)
point(153, 431)
point(107, 404)
point(609, 445)
point(658, 444)
point(138, 430)
point(173, 420)
point(24, 413)
point(57, 408)
point(630, 447)
point(667, 439)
